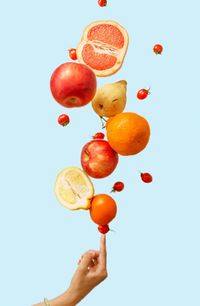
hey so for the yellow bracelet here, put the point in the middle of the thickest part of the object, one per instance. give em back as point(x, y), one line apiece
point(46, 302)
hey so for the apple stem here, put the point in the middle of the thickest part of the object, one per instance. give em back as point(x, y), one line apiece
point(87, 153)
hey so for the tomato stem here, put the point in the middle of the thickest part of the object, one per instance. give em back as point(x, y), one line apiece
point(65, 123)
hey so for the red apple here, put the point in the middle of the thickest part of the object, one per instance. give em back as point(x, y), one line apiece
point(73, 84)
point(98, 159)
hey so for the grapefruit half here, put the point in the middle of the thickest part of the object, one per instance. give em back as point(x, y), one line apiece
point(73, 188)
point(103, 47)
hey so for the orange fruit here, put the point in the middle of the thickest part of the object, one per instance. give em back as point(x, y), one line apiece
point(103, 209)
point(128, 133)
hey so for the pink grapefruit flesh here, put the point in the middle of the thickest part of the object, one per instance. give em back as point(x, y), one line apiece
point(103, 47)
point(97, 61)
point(108, 34)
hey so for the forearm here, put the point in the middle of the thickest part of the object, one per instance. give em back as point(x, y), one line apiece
point(68, 298)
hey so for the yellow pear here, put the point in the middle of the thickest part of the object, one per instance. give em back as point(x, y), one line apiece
point(110, 99)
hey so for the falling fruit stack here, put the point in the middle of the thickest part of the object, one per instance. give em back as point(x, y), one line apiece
point(101, 52)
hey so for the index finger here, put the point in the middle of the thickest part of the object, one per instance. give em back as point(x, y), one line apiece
point(102, 251)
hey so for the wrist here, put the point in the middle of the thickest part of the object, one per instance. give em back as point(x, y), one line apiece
point(65, 299)
point(72, 298)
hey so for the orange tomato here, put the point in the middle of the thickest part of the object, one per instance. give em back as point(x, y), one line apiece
point(103, 209)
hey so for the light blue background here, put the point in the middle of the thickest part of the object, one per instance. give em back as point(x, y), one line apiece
point(153, 257)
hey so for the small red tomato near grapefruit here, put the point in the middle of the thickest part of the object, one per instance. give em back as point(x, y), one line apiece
point(63, 120)
point(143, 93)
point(103, 209)
point(118, 186)
point(158, 49)
point(99, 136)
point(72, 54)
point(103, 229)
point(146, 177)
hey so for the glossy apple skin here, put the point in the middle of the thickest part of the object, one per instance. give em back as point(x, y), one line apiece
point(73, 84)
point(98, 159)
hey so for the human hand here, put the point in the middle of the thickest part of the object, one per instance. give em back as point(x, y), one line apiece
point(91, 271)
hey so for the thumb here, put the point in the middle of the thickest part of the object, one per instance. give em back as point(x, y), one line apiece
point(86, 260)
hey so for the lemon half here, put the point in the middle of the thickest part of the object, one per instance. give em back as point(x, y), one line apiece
point(74, 189)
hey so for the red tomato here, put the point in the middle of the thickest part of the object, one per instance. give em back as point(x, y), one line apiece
point(143, 93)
point(63, 120)
point(102, 3)
point(146, 177)
point(72, 54)
point(103, 229)
point(98, 136)
point(118, 186)
point(158, 49)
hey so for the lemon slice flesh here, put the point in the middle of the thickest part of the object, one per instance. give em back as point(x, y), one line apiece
point(74, 189)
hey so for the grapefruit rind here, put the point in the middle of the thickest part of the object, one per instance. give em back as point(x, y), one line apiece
point(120, 52)
point(74, 189)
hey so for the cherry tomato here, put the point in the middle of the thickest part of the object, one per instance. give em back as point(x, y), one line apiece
point(98, 136)
point(102, 3)
point(72, 54)
point(158, 49)
point(103, 229)
point(146, 177)
point(118, 186)
point(143, 93)
point(63, 120)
